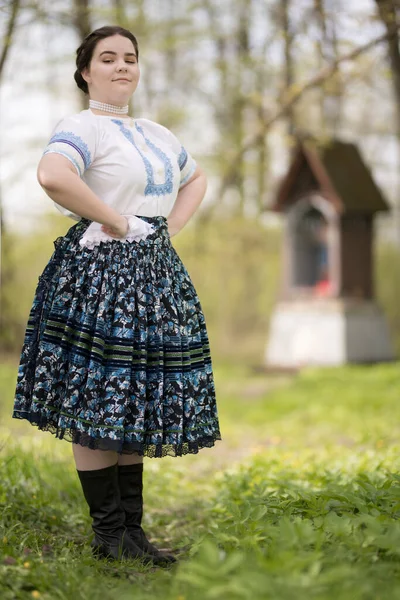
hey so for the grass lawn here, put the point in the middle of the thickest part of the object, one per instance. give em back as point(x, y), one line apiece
point(301, 499)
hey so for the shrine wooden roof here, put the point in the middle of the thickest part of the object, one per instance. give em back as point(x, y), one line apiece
point(338, 172)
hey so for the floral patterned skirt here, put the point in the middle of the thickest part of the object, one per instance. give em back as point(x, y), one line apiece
point(116, 354)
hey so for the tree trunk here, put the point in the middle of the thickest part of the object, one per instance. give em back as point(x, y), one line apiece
point(238, 105)
point(319, 11)
point(389, 14)
point(82, 24)
point(289, 67)
point(119, 11)
point(7, 326)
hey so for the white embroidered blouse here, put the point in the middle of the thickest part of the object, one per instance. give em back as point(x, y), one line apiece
point(136, 166)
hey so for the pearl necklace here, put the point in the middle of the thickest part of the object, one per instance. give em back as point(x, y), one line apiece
point(119, 110)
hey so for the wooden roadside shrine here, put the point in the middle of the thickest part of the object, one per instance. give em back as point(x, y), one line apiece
point(327, 313)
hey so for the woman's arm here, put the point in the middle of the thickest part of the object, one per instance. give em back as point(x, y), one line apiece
point(187, 201)
point(59, 179)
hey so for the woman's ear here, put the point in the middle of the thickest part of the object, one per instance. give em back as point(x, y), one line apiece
point(86, 75)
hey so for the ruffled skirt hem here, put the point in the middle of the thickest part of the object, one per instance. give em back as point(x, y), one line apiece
point(150, 450)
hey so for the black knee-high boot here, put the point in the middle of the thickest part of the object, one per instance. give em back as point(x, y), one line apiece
point(130, 479)
point(111, 539)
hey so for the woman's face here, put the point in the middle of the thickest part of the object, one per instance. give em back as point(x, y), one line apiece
point(113, 73)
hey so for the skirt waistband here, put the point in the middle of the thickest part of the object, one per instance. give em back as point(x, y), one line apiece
point(159, 223)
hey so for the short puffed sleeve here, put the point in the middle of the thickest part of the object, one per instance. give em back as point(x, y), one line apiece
point(75, 138)
point(187, 164)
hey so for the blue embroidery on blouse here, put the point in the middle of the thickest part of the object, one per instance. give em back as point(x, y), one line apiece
point(182, 158)
point(76, 142)
point(152, 188)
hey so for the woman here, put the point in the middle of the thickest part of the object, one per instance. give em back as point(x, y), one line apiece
point(116, 355)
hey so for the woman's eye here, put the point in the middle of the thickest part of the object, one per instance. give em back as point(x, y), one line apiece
point(131, 62)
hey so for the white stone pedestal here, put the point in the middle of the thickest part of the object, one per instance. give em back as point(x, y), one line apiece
point(327, 332)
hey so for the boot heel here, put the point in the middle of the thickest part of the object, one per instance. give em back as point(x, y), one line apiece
point(130, 480)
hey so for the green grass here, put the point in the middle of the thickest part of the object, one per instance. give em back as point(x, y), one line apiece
point(301, 500)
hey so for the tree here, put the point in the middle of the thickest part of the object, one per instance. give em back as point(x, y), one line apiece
point(389, 11)
point(6, 269)
point(269, 119)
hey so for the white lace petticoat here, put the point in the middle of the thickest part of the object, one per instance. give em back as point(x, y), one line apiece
point(138, 230)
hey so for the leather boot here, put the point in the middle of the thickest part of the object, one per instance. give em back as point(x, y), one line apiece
point(111, 539)
point(130, 480)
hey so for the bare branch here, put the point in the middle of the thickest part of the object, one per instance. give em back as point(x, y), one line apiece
point(388, 13)
point(319, 78)
point(9, 33)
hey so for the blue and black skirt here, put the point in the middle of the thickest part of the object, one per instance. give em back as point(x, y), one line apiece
point(116, 354)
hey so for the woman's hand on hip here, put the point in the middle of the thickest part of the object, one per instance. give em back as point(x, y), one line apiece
point(118, 230)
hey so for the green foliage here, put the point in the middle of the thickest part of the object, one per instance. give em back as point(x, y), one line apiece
point(301, 499)
point(290, 534)
point(235, 265)
point(24, 261)
point(388, 287)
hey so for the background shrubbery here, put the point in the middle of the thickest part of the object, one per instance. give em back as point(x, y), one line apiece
point(234, 263)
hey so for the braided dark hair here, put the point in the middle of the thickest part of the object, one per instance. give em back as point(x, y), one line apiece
point(85, 51)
